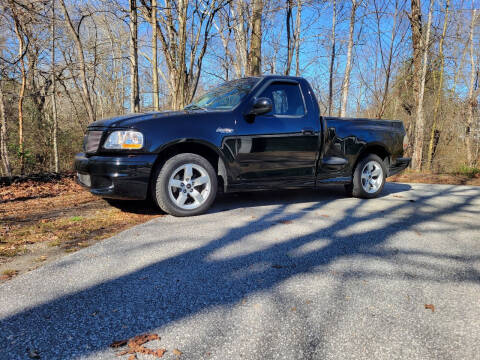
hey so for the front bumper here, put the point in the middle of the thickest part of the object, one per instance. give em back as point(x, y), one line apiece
point(116, 177)
point(398, 165)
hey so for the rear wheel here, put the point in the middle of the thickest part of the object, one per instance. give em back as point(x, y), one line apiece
point(186, 185)
point(368, 177)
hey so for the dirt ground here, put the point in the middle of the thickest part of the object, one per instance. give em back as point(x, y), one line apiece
point(427, 178)
point(42, 221)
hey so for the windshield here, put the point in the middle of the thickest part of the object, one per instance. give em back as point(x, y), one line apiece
point(225, 96)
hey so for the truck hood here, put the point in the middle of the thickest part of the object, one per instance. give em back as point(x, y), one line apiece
point(131, 120)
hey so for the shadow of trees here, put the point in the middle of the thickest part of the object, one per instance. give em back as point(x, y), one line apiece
point(226, 269)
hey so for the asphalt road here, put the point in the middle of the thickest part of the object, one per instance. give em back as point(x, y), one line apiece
point(283, 275)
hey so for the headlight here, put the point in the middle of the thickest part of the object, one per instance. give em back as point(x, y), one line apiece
point(127, 139)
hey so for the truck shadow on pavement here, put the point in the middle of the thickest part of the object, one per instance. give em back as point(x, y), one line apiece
point(225, 202)
point(84, 322)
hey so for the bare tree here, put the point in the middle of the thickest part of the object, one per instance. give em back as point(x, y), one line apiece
point(332, 58)
point(134, 85)
point(54, 100)
point(184, 31)
point(420, 113)
point(434, 132)
point(386, 63)
point(348, 65)
point(21, 94)
point(75, 35)
point(241, 29)
point(298, 24)
point(255, 55)
point(293, 42)
point(415, 18)
point(473, 93)
point(156, 100)
point(3, 135)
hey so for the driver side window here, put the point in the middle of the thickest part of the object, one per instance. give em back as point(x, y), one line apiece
point(286, 99)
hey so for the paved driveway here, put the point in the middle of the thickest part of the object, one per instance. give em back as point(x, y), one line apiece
point(295, 275)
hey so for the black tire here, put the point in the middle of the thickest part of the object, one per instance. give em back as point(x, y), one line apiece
point(349, 189)
point(161, 180)
point(357, 186)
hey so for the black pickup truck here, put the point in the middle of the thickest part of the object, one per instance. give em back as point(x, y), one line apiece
point(254, 133)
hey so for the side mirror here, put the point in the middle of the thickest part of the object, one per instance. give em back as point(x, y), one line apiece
point(260, 106)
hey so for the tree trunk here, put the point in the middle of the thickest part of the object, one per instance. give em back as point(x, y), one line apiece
point(134, 86)
point(290, 47)
point(298, 24)
point(54, 100)
point(388, 65)
point(415, 18)
point(472, 97)
point(156, 100)
point(181, 86)
point(21, 94)
point(420, 121)
point(332, 59)
point(87, 100)
point(348, 65)
point(240, 35)
point(434, 131)
point(255, 55)
point(3, 135)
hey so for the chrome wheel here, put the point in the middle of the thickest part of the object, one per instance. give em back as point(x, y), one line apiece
point(189, 186)
point(372, 177)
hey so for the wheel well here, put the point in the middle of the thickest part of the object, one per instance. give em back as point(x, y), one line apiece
point(378, 150)
point(194, 148)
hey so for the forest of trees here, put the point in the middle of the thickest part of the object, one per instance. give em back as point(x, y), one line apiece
point(67, 63)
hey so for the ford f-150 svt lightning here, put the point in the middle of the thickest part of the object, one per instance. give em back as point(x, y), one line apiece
point(253, 133)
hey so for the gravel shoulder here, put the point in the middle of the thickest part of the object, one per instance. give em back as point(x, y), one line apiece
point(295, 275)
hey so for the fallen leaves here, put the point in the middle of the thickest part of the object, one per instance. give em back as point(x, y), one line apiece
point(118, 343)
point(135, 346)
point(7, 274)
point(32, 189)
point(41, 218)
point(425, 177)
point(177, 352)
point(430, 307)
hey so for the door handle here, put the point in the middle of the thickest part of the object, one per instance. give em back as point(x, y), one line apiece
point(308, 131)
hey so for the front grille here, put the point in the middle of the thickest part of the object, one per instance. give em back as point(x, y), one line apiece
point(92, 141)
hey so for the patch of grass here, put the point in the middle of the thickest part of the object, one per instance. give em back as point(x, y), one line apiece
point(55, 242)
point(8, 251)
point(9, 272)
point(65, 221)
point(468, 171)
point(11, 250)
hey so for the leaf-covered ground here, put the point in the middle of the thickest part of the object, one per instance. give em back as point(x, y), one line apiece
point(41, 221)
point(427, 178)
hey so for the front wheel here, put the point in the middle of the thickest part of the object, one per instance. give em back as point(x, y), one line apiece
point(186, 185)
point(369, 177)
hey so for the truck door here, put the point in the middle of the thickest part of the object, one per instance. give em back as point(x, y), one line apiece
point(279, 149)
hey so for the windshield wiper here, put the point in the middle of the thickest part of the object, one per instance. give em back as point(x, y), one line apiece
point(194, 107)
